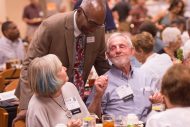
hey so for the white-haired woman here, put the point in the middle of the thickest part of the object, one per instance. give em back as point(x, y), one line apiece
point(171, 37)
point(55, 101)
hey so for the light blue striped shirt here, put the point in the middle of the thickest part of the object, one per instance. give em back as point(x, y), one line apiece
point(142, 86)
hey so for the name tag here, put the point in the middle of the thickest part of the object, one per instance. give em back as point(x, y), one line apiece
point(73, 105)
point(125, 93)
point(90, 39)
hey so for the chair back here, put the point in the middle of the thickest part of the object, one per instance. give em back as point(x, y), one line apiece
point(2, 84)
point(11, 73)
point(3, 118)
point(20, 123)
point(12, 85)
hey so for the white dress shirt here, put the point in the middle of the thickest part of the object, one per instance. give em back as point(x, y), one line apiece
point(10, 50)
point(175, 117)
point(156, 65)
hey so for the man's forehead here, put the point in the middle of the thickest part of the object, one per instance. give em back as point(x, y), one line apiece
point(118, 41)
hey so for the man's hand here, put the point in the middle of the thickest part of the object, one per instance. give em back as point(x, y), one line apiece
point(20, 116)
point(74, 123)
point(101, 84)
point(156, 98)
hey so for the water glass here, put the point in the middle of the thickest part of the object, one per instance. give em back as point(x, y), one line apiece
point(89, 121)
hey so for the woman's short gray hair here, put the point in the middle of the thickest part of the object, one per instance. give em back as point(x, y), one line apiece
point(118, 35)
point(42, 74)
point(170, 34)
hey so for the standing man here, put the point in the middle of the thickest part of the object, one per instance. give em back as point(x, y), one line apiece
point(77, 38)
point(110, 26)
point(32, 16)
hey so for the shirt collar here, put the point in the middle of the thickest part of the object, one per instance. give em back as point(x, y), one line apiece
point(151, 56)
point(9, 41)
point(77, 32)
point(119, 73)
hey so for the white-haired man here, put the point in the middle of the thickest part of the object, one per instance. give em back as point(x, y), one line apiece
point(128, 88)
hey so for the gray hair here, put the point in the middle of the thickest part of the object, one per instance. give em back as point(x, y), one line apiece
point(42, 74)
point(119, 35)
point(170, 34)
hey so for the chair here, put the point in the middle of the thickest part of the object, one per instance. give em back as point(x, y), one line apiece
point(2, 84)
point(3, 118)
point(12, 85)
point(10, 74)
point(20, 123)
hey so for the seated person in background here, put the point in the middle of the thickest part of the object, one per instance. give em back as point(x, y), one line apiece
point(11, 46)
point(164, 18)
point(55, 100)
point(171, 37)
point(175, 89)
point(128, 88)
point(138, 14)
point(152, 63)
point(150, 27)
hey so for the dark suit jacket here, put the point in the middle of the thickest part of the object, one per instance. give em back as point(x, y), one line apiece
point(56, 36)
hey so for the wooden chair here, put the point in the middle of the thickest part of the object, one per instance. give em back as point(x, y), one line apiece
point(20, 123)
point(2, 84)
point(3, 118)
point(12, 85)
point(10, 74)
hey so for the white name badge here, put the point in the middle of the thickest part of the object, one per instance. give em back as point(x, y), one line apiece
point(90, 39)
point(125, 93)
point(72, 105)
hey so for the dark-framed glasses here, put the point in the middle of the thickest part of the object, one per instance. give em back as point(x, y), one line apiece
point(90, 22)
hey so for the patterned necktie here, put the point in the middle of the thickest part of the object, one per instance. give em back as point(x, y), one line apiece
point(78, 65)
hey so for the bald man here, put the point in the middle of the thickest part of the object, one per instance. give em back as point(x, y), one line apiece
point(58, 35)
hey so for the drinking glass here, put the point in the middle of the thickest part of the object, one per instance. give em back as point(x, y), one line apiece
point(108, 120)
point(89, 121)
point(120, 121)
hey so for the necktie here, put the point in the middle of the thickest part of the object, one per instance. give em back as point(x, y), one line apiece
point(78, 65)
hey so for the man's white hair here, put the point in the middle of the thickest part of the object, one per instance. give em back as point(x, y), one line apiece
point(170, 35)
point(119, 35)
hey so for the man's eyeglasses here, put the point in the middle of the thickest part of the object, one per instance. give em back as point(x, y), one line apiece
point(90, 22)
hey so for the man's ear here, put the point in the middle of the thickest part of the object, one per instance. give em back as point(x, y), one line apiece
point(79, 11)
point(133, 51)
point(107, 55)
point(5, 33)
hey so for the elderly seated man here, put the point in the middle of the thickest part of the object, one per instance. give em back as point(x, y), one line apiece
point(128, 89)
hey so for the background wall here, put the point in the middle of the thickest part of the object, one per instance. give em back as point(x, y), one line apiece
point(13, 9)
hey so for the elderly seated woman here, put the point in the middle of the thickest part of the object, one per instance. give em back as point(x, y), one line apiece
point(171, 37)
point(175, 89)
point(55, 101)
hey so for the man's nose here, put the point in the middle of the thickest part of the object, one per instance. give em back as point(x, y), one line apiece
point(118, 50)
